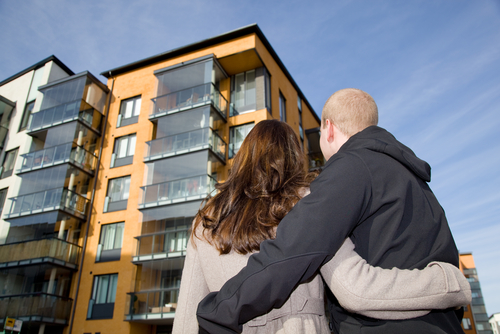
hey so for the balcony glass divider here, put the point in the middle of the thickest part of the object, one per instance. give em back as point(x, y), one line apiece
point(162, 245)
point(38, 306)
point(152, 304)
point(176, 191)
point(57, 155)
point(27, 252)
point(185, 142)
point(48, 200)
point(189, 98)
point(72, 111)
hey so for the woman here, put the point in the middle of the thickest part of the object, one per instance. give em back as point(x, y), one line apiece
point(267, 178)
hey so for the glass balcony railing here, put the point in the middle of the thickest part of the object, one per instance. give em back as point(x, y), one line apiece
point(190, 98)
point(37, 306)
point(151, 305)
point(49, 250)
point(170, 192)
point(48, 200)
point(57, 155)
point(185, 142)
point(162, 245)
point(62, 114)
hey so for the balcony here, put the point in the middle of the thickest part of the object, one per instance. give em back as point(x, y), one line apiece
point(186, 142)
point(155, 306)
point(58, 155)
point(48, 200)
point(193, 97)
point(64, 113)
point(177, 191)
point(39, 307)
point(52, 250)
point(161, 245)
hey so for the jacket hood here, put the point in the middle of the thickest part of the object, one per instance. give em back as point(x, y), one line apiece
point(380, 140)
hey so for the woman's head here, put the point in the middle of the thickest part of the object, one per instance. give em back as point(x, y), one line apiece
point(264, 183)
point(269, 158)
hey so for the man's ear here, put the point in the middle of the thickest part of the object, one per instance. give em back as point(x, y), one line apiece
point(330, 131)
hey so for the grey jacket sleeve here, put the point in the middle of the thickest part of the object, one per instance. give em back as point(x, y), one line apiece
point(305, 239)
point(193, 288)
point(393, 294)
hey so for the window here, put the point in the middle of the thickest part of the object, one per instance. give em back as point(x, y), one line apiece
point(30, 101)
point(129, 111)
point(102, 304)
point(8, 163)
point(110, 242)
point(26, 115)
point(236, 136)
point(466, 323)
point(123, 152)
point(3, 195)
point(282, 108)
point(301, 129)
point(243, 92)
point(118, 191)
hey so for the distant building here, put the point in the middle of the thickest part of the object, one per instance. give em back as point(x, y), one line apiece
point(475, 319)
point(101, 183)
point(495, 323)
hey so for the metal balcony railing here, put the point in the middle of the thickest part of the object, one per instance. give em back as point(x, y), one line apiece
point(189, 98)
point(57, 155)
point(34, 251)
point(193, 188)
point(48, 200)
point(162, 245)
point(40, 307)
point(152, 305)
point(185, 142)
point(61, 114)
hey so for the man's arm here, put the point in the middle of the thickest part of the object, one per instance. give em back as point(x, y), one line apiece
point(393, 294)
point(306, 238)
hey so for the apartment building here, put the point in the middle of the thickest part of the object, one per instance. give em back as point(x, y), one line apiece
point(101, 183)
point(494, 321)
point(475, 320)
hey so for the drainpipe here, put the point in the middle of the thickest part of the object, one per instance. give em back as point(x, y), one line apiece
point(72, 317)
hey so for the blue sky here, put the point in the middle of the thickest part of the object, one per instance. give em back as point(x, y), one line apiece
point(433, 68)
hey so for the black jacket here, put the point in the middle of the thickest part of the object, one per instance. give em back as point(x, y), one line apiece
point(373, 190)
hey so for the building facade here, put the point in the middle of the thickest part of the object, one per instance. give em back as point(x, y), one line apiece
point(110, 178)
point(475, 318)
point(494, 321)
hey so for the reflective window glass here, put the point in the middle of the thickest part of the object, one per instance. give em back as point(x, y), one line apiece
point(236, 136)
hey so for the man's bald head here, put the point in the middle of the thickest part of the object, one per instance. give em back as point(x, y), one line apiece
point(351, 110)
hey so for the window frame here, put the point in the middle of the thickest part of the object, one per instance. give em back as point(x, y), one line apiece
point(8, 172)
point(301, 127)
point(3, 197)
point(104, 253)
point(282, 107)
point(123, 120)
point(110, 204)
point(116, 159)
point(231, 151)
point(26, 115)
point(104, 310)
point(247, 106)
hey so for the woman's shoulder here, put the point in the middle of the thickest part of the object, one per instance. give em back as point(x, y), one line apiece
point(303, 192)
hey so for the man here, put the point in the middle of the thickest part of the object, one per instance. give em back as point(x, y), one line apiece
point(374, 190)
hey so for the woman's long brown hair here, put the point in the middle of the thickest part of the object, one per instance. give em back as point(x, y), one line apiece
point(265, 181)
